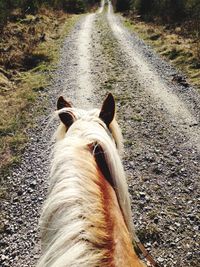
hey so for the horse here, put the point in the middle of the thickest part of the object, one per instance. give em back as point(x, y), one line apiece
point(86, 219)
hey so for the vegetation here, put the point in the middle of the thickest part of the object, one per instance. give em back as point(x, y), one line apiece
point(162, 10)
point(167, 12)
point(29, 49)
point(32, 7)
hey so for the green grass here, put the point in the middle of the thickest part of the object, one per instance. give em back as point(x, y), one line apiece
point(137, 118)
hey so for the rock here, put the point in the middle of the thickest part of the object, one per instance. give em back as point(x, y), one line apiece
point(4, 257)
point(160, 259)
point(33, 184)
point(142, 194)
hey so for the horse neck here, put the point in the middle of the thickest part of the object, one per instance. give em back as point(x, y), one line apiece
point(92, 222)
point(122, 251)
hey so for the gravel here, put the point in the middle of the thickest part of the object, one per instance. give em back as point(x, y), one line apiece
point(161, 156)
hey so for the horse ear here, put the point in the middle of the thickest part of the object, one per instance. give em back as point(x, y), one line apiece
point(62, 103)
point(66, 117)
point(107, 112)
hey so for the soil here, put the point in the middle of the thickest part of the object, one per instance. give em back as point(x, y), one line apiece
point(159, 119)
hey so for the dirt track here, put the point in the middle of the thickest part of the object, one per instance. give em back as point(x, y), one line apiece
point(160, 124)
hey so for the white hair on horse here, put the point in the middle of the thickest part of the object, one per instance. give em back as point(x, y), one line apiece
point(86, 219)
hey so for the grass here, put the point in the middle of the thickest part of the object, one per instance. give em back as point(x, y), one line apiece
point(24, 75)
point(137, 118)
point(182, 52)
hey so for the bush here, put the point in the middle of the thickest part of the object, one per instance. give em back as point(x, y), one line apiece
point(171, 12)
point(74, 6)
point(166, 10)
point(122, 5)
point(32, 6)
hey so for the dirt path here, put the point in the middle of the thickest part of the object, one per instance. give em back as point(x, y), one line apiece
point(152, 82)
point(160, 124)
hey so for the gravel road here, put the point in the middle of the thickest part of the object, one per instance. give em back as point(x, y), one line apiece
point(160, 124)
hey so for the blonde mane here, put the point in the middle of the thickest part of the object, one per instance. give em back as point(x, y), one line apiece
point(74, 226)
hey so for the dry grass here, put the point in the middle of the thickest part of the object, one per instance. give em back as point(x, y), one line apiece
point(182, 52)
point(29, 48)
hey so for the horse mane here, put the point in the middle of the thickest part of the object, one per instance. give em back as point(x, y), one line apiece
point(112, 155)
point(73, 227)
